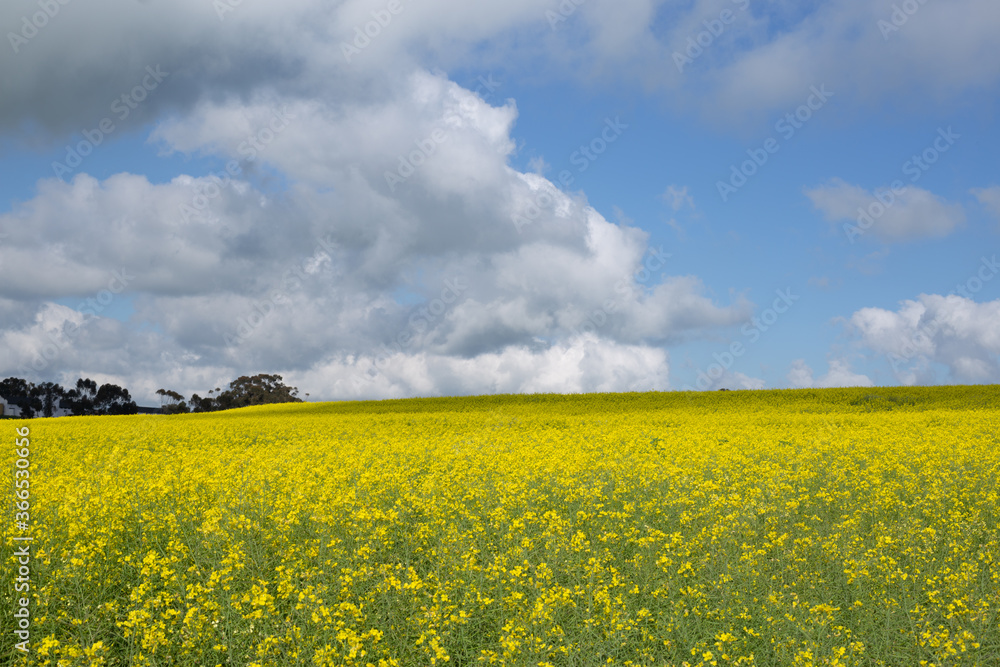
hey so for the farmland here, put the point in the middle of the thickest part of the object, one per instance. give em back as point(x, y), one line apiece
point(787, 527)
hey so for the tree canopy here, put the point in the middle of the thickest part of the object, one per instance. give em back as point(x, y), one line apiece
point(260, 389)
point(89, 398)
point(86, 398)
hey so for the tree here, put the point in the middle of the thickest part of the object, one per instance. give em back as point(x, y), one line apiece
point(260, 389)
point(21, 393)
point(199, 404)
point(114, 400)
point(50, 395)
point(81, 399)
point(13, 387)
point(108, 399)
point(171, 402)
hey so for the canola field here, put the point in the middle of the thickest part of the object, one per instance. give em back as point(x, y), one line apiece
point(793, 527)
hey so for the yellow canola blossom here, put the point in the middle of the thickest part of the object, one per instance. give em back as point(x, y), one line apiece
point(808, 527)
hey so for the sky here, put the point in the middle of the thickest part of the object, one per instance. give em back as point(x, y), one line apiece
point(393, 198)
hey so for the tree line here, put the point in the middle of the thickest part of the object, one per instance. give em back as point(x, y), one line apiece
point(87, 398)
point(244, 391)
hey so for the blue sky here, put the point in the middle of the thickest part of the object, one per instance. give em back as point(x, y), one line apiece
point(366, 243)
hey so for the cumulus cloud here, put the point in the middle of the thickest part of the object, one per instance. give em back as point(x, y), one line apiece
point(583, 363)
point(839, 375)
point(86, 231)
point(366, 204)
point(61, 343)
point(737, 380)
point(990, 198)
point(903, 214)
point(774, 52)
point(396, 234)
point(763, 60)
point(953, 331)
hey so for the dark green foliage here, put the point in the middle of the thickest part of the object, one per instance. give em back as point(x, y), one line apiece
point(23, 394)
point(261, 389)
point(108, 399)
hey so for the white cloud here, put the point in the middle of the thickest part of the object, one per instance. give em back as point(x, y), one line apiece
point(224, 276)
point(773, 53)
point(953, 331)
point(737, 380)
point(906, 214)
point(678, 197)
point(838, 375)
point(583, 363)
point(761, 63)
point(323, 275)
point(800, 375)
point(75, 231)
point(990, 198)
